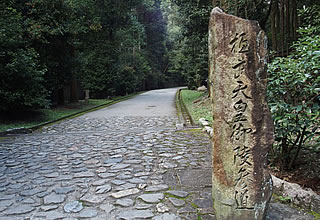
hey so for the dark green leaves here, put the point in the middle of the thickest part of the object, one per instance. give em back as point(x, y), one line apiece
point(294, 98)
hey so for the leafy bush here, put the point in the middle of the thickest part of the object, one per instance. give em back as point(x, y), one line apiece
point(294, 98)
point(21, 76)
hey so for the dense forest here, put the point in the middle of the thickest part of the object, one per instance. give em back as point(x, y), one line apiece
point(119, 47)
point(108, 47)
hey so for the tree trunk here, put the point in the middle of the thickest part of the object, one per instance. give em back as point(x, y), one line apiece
point(74, 97)
point(282, 26)
point(274, 12)
point(295, 20)
point(288, 25)
point(60, 96)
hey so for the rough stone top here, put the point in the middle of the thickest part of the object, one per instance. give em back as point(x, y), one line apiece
point(219, 11)
point(216, 10)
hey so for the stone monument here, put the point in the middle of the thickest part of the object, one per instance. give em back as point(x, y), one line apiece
point(243, 128)
point(86, 96)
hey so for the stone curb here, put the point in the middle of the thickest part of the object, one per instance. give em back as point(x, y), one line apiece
point(17, 131)
point(188, 120)
point(303, 198)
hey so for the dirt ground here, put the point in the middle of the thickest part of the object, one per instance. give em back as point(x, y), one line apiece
point(306, 171)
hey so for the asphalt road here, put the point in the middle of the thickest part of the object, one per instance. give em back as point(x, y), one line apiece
point(152, 103)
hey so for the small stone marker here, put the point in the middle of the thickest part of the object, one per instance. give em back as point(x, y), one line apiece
point(86, 95)
point(243, 128)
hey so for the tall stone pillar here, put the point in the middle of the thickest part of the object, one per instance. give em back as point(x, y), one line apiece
point(243, 128)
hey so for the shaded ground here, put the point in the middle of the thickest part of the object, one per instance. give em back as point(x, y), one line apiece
point(306, 171)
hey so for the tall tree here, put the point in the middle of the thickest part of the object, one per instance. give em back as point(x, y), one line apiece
point(21, 75)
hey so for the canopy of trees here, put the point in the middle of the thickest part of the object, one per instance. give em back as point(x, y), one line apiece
point(110, 47)
point(292, 28)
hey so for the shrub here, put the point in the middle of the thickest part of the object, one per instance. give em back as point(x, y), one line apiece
point(294, 98)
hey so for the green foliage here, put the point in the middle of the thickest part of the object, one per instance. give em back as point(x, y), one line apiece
point(198, 104)
point(315, 214)
point(28, 119)
point(188, 34)
point(21, 81)
point(111, 47)
point(310, 17)
point(21, 75)
point(283, 199)
point(294, 98)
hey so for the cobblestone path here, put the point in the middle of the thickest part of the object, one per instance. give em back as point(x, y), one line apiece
point(119, 167)
point(122, 162)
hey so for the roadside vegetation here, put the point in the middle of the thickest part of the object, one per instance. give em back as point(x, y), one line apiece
point(305, 168)
point(198, 105)
point(28, 119)
point(37, 117)
point(293, 31)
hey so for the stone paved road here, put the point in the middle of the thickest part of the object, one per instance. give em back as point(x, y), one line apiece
point(126, 161)
point(123, 162)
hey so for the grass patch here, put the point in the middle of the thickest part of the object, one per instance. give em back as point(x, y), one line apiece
point(316, 215)
point(198, 104)
point(195, 130)
point(282, 199)
point(194, 205)
point(168, 195)
point(28, 119)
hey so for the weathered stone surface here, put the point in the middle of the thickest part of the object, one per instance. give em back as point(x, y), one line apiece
point(157, 188)
point(113, 160)
point(152, 198)
point(162, 208)
point(166, 216)
point(118, 182)
point(99, 182)
point(177, 202)
point(125, 202)
point(88, 213)
point(84, 174)
point(106, 175)
point(305, 198)
point(136, 180)
point(103, 189)
point(19, 209)
point(120, 166)
point(136, 214)
point(143, 206)
point(181, 194)
point(52, 175)
point(124, 193)
point(51, 215)
point(32, 192)
point(74, 206)
point(108, 208)
point(5, 204)
point(278, 211)
point(47, 208)
point(63, 190)
point(54, 199)
point(243, 128)
point(94, 199)
point(28, 201)
point(6, 197)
